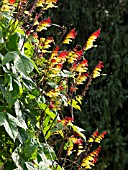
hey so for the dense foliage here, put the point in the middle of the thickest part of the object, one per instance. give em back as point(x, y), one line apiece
point(40, 80)
point(106, 102)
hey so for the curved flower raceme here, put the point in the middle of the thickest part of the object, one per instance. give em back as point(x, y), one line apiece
point(71, 35)
point(97, 69)
point(90, 159)
point(89, 44)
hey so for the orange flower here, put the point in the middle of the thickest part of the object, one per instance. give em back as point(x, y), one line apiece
point(71, 35)
point(97, 70)
point(55, 52)
point(81, 78)
point(47, 42)
point(74, 55)
point(93, 136)
point(90, 159)
point(91, 39)
point(82, 66)
point(44, 24)
point(66, 120)
point(11, 1)
point(100, 137)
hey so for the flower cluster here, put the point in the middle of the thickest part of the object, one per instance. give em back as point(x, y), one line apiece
point(71, 35)
point(66, 120)
point(7, 5)
point(97, 69)
point(97, 138)
point(73, 140)
point(46, 4)
point(45, 44)
point(43, 25)
point(74, 55)
point(90, 159)
point(91, 39)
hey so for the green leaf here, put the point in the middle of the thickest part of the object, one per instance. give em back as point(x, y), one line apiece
point(15, 121)
point(23, 64)
point(19, 114)
point(14, 42)
point(9, 57)
point(10, 124)
point(2, 118)
point(1, 37)
point(48, 151)
point(57, 167)
point(28, 83)
point(75, 105)
point(30, 166)
point(17, 159)
point(44, 107)
point(35, 66)
point(11, 129)
point(11, 96)
point(77, 130)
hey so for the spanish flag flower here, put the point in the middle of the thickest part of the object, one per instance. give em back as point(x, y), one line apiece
point(73, 140)
point(43, 25)
point(100, 137)
point(81, 78)
point(71, 35)
point(74, 55)
point(66, 120)
point(97, 138)
point(90, 159)
point(93, 136)
point(52, 93)
point(11, 1)
point(54, 53)
point(46, 43)
point(97, 69)
point(82, 66)
point(91, 39)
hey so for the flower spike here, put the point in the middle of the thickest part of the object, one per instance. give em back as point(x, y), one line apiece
point(91, 39)
point(71, 35)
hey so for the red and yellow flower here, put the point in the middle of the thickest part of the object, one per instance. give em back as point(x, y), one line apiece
point(43, 25)
point(71, 35)
point(90, 159)
point(89, 44)
point(97, 69)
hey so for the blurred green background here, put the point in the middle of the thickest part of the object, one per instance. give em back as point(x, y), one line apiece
point(105, 105)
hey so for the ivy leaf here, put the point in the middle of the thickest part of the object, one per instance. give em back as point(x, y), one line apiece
point(11, 129)
point(19, 114)
point(48, 151)
point(14, 42)
point(10, 124)
point(28, 83)
point(23, 64)
point(11, 96)
point(17, 159)
point(9, 57)
point(15, 121)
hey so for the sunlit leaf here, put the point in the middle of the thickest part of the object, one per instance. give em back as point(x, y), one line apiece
point(9, 57)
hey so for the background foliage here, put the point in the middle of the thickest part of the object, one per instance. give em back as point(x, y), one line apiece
point(106, 101)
